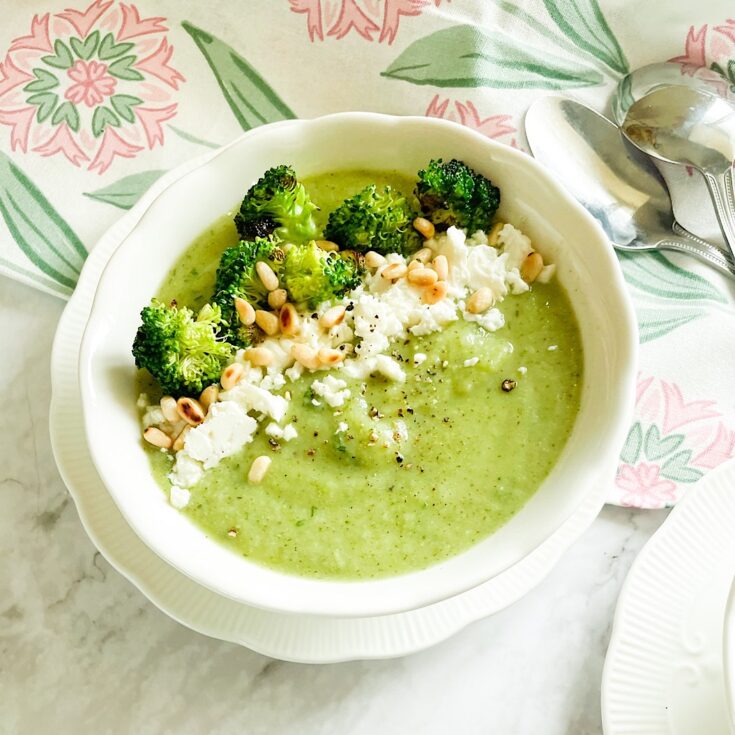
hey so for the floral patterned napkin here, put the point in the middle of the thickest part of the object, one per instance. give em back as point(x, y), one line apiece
point(98, 100)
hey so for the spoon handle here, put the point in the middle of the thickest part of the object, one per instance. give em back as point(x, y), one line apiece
point(720, 188)
point(702, 251)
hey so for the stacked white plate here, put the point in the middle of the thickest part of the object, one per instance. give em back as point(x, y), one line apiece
point(670, 668)
point(286, 636)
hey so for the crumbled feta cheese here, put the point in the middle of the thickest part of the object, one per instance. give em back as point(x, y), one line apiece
point(314, 402)
point(274, 430)
point(341, 427)
point(186, 472)
point(547, 273)
point(254, 398)
point(289, 432)
point(178, 497)
point(226, 429)
point(515, 245)
point(522, 370)
point(333, 390)
point(471, 362)
point(551, 348)
point(153, 416)
point(491, 320)
point(419, 358)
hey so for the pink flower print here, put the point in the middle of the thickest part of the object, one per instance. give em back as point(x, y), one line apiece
point(719, 450)
point(643, 487)
point(465, 113)
point(352, 18)
point(709, 54)
point(93, 83)
point(394, 9)
point(132, 26)
point(89, 84)
point(693, 56)
point(84, 20)
point(369, 19)
point(678, 413)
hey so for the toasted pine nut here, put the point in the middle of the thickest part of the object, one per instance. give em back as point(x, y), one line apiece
point(480, 301)
point(157, 438)
point(305, 355)
point(373, 259)
point(531, 267)
point(424, 227)
point(267, 321)
point(258, 468)
point(441, 266)
point(190, 410)
point(423, 255)
point(180, 439)
point(209, 396)
point(277, 298)
point(327, 245)
point(259, 356)
point(435, 293)
point(328, 356)
point(414, 264)
point(422, 276)
point(168, 409)
point(332, 317)
point(394, 271)
point(232, 375)
point(492, 236)
point(245, 312)
point(267, 276)
point(289, 320)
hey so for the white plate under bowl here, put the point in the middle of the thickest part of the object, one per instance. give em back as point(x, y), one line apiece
point(305, 639)
point(561, 229)
point(664, 668)
point(729, 654)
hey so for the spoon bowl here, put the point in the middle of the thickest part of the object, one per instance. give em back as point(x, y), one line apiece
point(688, 126)
point(613, 180)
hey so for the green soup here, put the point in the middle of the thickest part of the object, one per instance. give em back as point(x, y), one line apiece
point(355, 503)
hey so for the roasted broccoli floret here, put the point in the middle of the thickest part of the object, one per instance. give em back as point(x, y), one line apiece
point(453, 194)
point(237, 277)
point(277, 205)
point(312, 275)
point(375, 220)
point(182, 351)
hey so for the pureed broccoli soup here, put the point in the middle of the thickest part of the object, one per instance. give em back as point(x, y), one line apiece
point(390, 427)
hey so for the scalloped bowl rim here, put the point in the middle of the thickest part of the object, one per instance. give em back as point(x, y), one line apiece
point(594, 284)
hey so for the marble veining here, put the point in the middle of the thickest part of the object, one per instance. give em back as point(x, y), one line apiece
point(82, 651)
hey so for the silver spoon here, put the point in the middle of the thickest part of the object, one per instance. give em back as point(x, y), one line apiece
point(614, 181)
point(690, 197)
point(680, 124)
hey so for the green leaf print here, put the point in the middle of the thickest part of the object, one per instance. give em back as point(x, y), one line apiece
point(463, 56)
point(633, 443)
point(62, 58)
point(655, 274)
point(67, 113)
point(44, 81)
point(582, 21)
point(657, 446)
point(46, 102)
point(85, 49)
point(677, 468)
point(655, 323)
point(110, 50)
point(250, 98)
point(123, 105)
point(122, 69)
point(40, 231)
point(125, 192)
point(102, 117)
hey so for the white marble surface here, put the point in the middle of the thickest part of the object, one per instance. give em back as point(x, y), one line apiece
point(83, 652)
